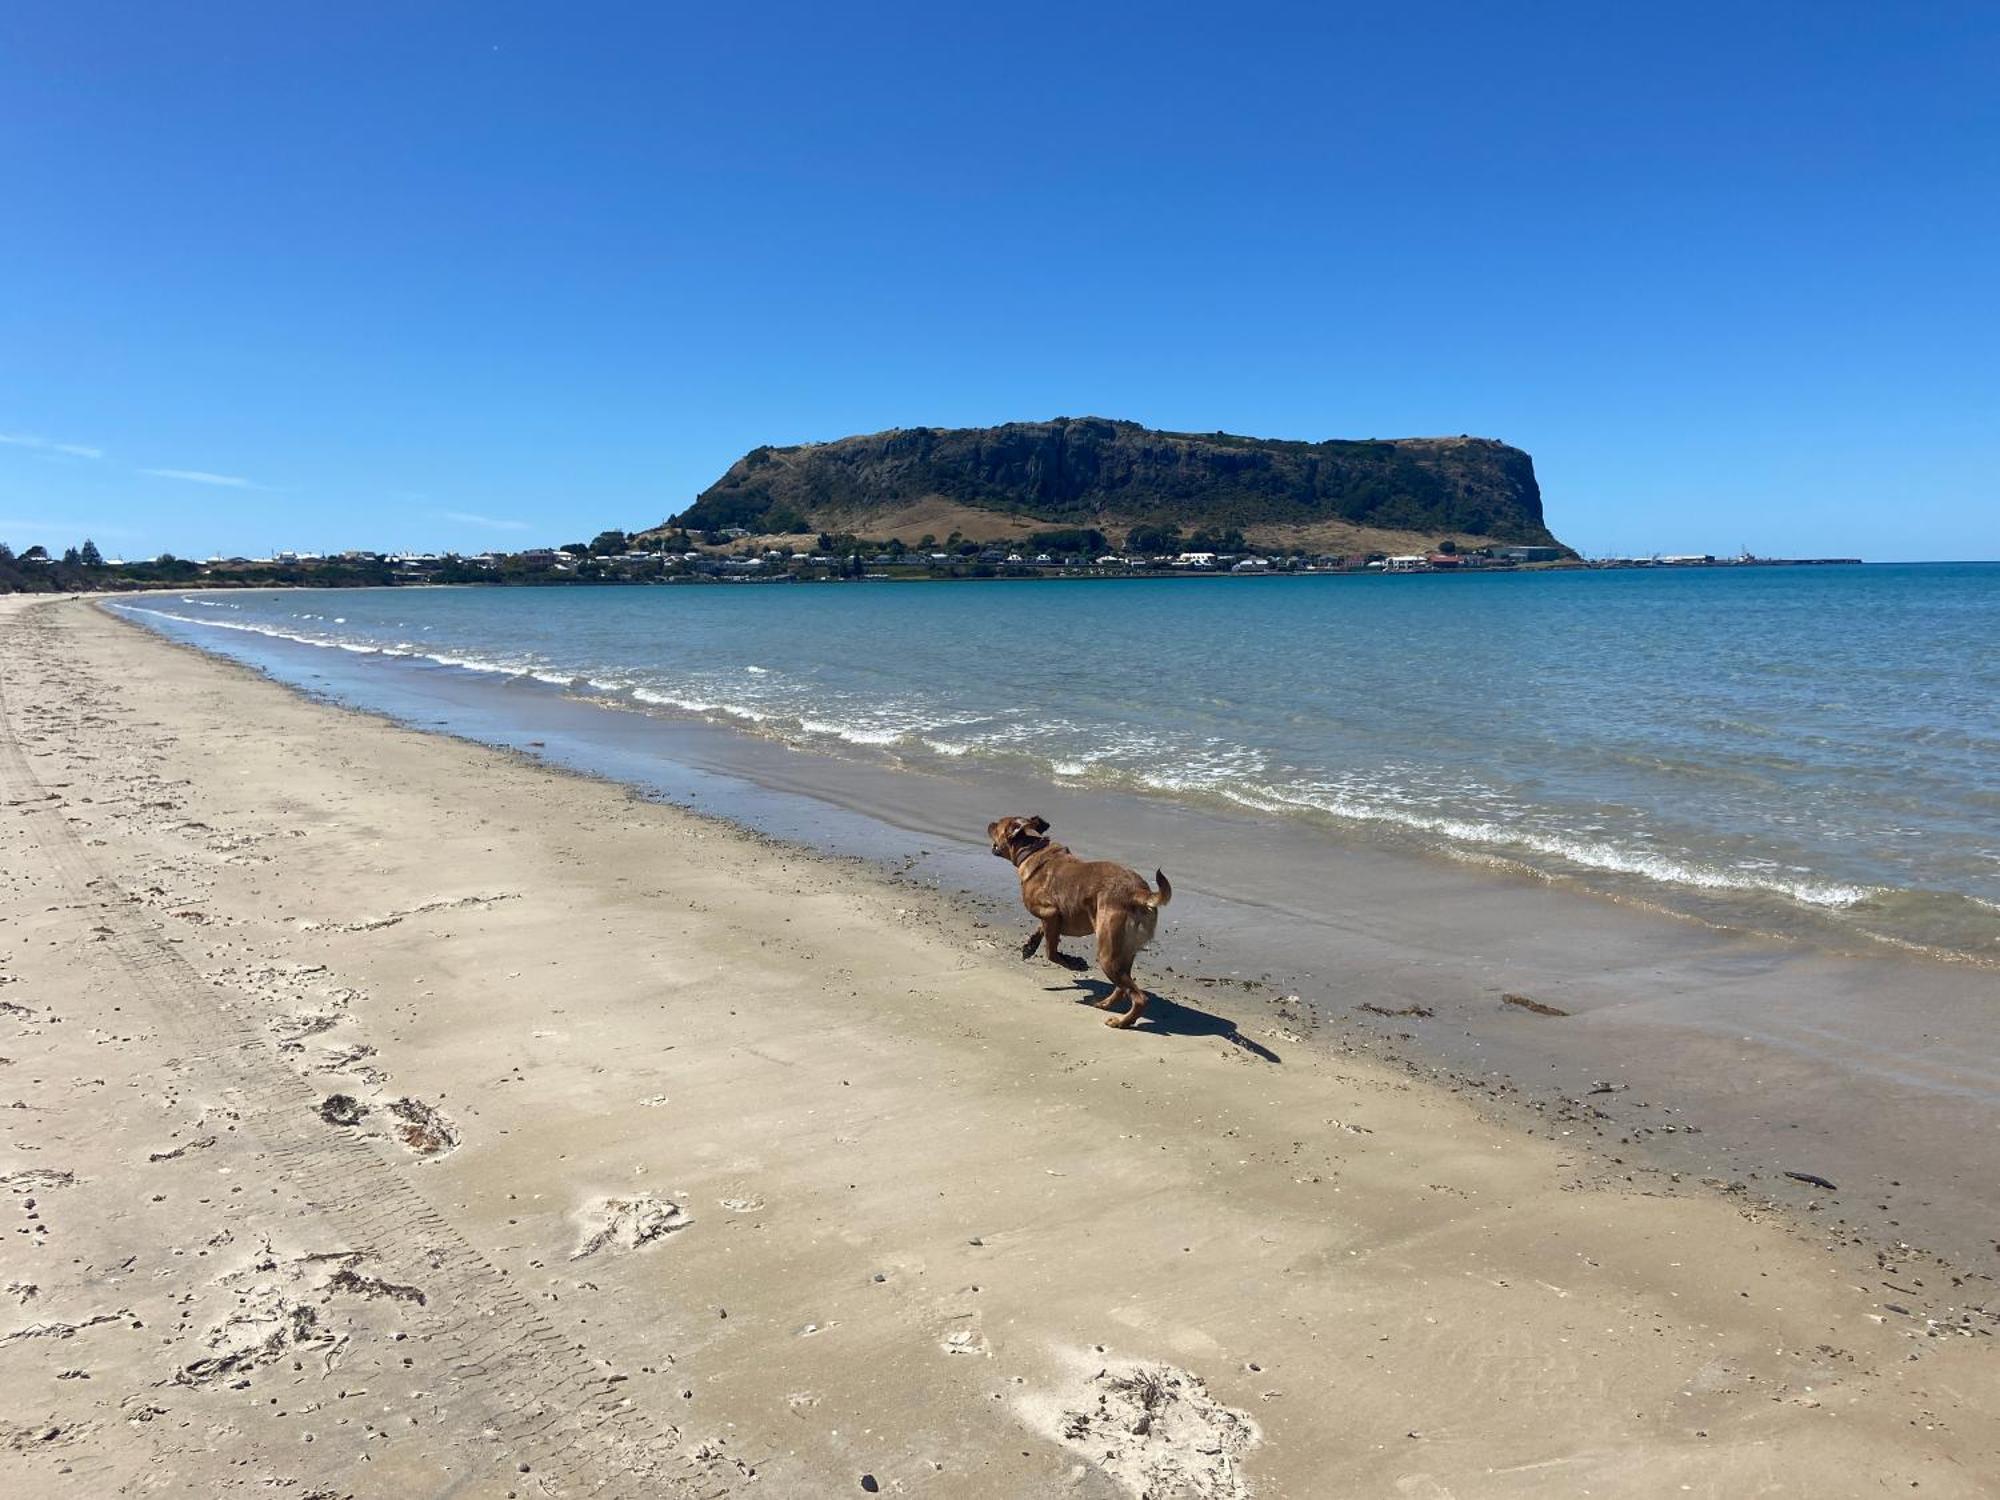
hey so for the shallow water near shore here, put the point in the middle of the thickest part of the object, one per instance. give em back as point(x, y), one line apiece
point(1700, 1045)
point(1810, 751)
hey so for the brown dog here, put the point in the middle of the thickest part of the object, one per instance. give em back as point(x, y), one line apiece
point(1072, 897)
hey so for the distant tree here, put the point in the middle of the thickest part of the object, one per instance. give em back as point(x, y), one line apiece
point(165, 560)
point(1448, 547)
point(927, 541)
point(6, 553)
point(72, 558)
point(607, 542)
point(91, 557)
point(575, 549)
point(1087, 540)
point(1152, 539)
point(35, 554)
point(1216, 539)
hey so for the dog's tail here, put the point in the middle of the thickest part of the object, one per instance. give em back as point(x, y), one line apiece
point(1164, 894)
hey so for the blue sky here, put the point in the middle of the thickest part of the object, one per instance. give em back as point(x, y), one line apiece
point(422, 275)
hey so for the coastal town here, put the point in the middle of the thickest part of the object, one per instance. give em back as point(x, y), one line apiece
point(734, 555)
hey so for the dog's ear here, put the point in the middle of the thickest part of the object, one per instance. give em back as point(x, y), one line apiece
point(1037, 824)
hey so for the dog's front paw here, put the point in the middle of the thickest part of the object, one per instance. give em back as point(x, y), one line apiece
point(1028, 948)
point(1070, 961)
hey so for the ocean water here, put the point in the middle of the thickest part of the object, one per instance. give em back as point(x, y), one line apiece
point(1805, 750)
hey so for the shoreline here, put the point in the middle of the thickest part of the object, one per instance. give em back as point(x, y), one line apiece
point(1731, 1056)
point(1863, 910)
point(1026, 573)
point(894, 1205)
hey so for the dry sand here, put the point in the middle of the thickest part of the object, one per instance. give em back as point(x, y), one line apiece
point(389, 1116)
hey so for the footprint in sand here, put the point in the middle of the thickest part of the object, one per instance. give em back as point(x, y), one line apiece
point(1152, 1428)
point(628, 1223)
point(965, 1341)
point(283, 1308)
point(351, 1058)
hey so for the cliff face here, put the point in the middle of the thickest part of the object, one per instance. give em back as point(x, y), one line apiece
point(1091, 471)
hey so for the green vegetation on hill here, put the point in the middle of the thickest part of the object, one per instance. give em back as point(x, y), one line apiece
point(1092, 472)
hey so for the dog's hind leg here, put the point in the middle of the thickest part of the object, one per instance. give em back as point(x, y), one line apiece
point(1034, 941)
point(1135, 997)
point(1052, 944)
point(1117, 946)
point(1135, 1007)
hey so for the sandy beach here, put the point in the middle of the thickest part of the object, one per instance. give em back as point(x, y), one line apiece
point(392, 1116)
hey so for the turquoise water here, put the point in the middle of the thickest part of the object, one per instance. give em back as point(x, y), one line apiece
point(1763, 746)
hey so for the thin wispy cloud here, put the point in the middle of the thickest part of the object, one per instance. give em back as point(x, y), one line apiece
point(491, 523)
point(44, 445)
point(202, 476)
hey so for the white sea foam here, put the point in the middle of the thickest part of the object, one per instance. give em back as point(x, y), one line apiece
point(272, 632)
point(854, 734)
point(1591, 854)
point(479, 664)
point(671, 700)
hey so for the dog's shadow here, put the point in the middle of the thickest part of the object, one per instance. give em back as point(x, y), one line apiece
point(1172, 1018)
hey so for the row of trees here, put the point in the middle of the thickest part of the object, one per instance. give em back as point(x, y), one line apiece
point(86, 556)
point(1153, 541)
point(36, 570)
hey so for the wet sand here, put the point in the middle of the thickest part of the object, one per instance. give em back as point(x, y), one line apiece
point(391, 1115)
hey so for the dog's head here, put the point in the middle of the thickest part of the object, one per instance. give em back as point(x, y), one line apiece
point(1014, 838)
